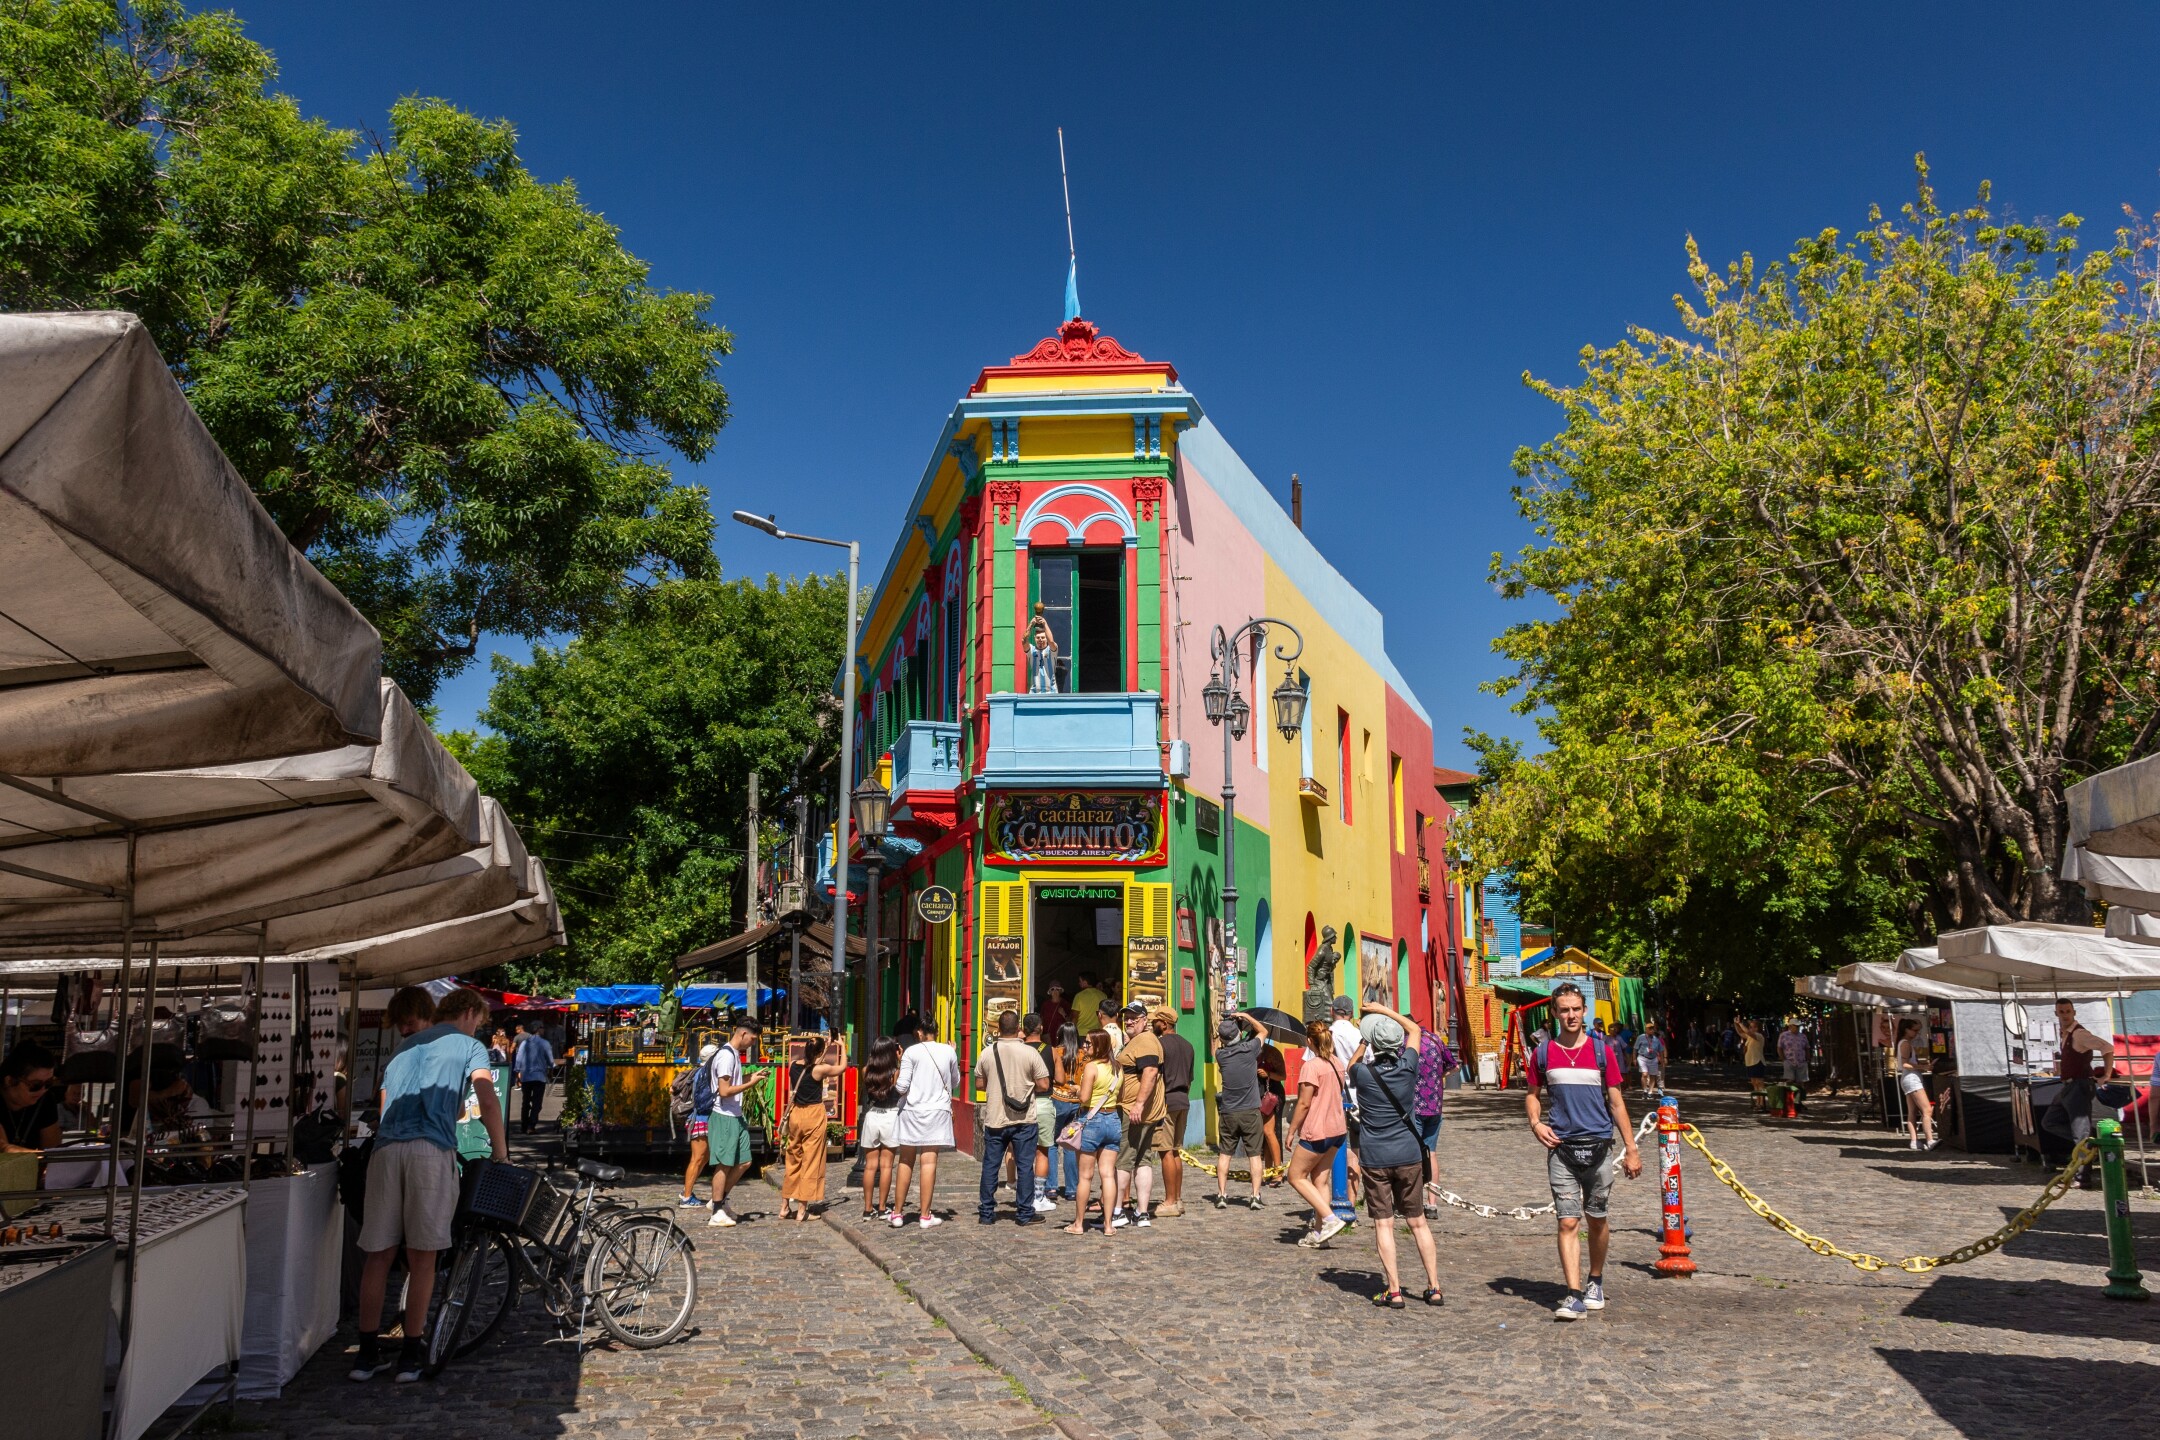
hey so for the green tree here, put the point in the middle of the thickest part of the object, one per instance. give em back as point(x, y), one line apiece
point(624, 758)
point(451, 384)
point(1854, 574)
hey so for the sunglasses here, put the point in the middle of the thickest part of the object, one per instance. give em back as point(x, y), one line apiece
point(36, 1087)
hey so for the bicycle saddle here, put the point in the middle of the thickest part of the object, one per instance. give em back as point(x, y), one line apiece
point(594, 1170)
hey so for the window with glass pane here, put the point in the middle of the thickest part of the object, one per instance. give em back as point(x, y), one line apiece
point(1082, 594)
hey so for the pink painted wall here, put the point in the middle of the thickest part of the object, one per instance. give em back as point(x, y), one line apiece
point(1213, 575)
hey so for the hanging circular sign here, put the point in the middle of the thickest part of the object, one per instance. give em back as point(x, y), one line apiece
point(934, 905)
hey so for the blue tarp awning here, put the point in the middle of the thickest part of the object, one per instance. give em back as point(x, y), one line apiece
point(696, 997)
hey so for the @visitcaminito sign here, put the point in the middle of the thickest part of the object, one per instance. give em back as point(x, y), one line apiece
point(934, 905)
point(1077, 827)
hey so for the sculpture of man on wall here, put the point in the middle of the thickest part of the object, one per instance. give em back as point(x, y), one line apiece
point(1320, 978)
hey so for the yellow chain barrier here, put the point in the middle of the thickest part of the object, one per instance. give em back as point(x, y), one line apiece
point(1207, 1162)
point(2018, 1224)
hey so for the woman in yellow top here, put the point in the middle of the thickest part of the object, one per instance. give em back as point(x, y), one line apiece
point(1100, 1130)
point(1751, 1057)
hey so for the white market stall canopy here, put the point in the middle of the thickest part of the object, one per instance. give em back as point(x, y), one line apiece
point(227, 845)
point(1826, 987)
point(2054, 956)
point(496, 873)
point(2141, 927)
point(152, 614)
point(1895, 984)
point(2132, 880)
point(2117, 812)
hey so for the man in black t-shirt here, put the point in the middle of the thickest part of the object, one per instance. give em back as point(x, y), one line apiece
point(1238, 1043)
point(1177, 1073)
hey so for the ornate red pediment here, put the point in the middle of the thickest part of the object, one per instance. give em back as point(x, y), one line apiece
point(1079, 345)
point(1078, 342)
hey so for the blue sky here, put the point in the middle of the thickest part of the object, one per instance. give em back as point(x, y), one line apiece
point(1352, 239)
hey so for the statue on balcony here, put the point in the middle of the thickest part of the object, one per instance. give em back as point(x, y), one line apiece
point(1042, 655)
point(1320, 978)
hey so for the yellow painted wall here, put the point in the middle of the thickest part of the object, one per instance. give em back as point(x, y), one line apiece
point(1077, 437)
point(1339, 873)
point(1092, 380)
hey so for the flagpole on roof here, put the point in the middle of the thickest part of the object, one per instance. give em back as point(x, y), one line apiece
point(1072, 254)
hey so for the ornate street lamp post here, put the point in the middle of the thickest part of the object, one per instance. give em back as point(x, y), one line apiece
point(1223, 699)
point(872, 807)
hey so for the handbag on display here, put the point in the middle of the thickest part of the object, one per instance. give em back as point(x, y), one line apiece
point(224, 1030)
point(93, 1055)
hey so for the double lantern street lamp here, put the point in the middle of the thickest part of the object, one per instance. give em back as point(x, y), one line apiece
point(841, 845)
point(873, 805)
point(1223, 700)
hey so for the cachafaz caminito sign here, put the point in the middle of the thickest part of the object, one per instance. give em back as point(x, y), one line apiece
point(1077, 827)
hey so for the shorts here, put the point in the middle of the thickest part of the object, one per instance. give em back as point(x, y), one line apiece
point(1910, 1083)
point(1045, 1122)
point(697, 1127)
point(1101, 1131)
point(1392, 1190)
point(1581, 1176)
point(729, 1139)
point(1428, 1132)
point(1796, 1074)
point(1321, 1147)
point(880, 1130)
point(1237, 1127)
point(412, 1196)
point(1179, 1105)
point(1145, 1142)
point(1758, 1071)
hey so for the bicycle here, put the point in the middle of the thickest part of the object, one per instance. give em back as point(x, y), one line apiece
point(585, 1255)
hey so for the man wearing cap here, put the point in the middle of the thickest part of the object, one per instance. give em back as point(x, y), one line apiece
point(1140, 1097)
point(1390, 1155)
point(1177, 1074)
point(1238, 1122)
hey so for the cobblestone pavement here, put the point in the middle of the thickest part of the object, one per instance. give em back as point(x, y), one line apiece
point(795, 1336)
point(1219, 1321)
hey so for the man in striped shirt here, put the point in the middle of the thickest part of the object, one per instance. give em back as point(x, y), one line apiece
point(1588, 1113)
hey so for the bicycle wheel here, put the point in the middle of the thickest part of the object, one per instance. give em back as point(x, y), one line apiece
point(494, 1296)
point(459, 1291)
point(642, 1281)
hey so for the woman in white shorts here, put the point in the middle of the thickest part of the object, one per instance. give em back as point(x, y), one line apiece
point(1912, 1087)
point(878, 1138)
point(929, 1074)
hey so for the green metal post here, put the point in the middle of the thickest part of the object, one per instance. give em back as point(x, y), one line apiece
point(2124, 1281)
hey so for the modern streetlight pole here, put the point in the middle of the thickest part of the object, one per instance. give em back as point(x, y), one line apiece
point(841, 839)
point(1223, 699)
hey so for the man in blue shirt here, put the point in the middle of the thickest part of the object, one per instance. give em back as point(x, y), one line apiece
point(412, 1176)
point(530, 1062)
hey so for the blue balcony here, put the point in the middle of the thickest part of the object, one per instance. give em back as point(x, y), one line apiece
point(1103, 740)
point(926, 756)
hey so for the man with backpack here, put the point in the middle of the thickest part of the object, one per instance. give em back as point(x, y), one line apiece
point(1588, 1112)
point(690, 1101)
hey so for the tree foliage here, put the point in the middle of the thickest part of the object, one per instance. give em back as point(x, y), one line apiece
point(1854, 575)
point(450, 383)
point(624, 758)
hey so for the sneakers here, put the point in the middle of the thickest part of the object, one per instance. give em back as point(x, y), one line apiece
point(689, 1202)
point(895, 1219)
point(1143, 1221)
point(1124, 1218)
point(1333, 1226)
point(721, 1220)
point(1222, 1203)
point(1254, 1204)
point(1593, 1295)
point(1570, 1308)
point(412, 1361)
point(370, 1361)
point(1044, 1204)
point(928, 1222)
point(1169, 1210)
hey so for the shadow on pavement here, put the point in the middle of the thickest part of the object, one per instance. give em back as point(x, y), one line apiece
point(1937, 1174)
point(1542, 1293)
point(1999, 1396)
point(2076, 1237)
point(1361, 1283)
point(2036, 1307)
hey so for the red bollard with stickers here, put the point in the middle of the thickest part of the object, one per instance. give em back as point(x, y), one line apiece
point(1673, 1253)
